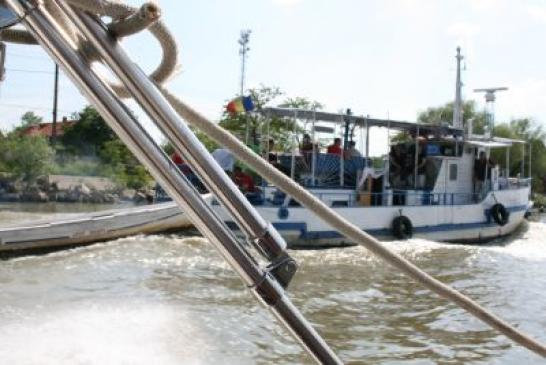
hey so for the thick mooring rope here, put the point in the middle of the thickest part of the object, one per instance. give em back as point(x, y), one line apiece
point(346, 228)
point(120, 12)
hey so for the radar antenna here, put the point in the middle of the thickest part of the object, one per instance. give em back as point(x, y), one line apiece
point(490, 98)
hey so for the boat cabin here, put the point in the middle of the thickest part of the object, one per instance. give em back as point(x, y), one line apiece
point(422, 165)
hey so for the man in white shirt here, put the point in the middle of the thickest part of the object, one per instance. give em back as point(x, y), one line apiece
point(224, 158)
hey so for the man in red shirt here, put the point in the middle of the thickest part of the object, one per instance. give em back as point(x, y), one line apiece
point(182, 165)
point(243, 181)
point(335, 148)
point(177, 159)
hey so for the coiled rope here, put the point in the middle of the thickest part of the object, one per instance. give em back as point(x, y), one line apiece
point(121, 13)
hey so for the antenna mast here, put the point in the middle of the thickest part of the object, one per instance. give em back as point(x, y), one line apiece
point(458, 105)
point(243, 52)
point(490, 107)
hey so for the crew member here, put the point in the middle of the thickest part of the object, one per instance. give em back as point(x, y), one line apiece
point(335, 148)
point(244, 181)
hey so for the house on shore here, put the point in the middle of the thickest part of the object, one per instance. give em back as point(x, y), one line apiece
point(47, 130)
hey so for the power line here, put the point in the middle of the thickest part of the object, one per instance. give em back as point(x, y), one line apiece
point(30, 107)
point(36, 57)
point(30, 71)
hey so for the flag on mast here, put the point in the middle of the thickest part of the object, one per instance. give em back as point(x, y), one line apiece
point(240, 105)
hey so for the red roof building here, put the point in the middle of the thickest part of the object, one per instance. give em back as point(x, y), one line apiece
point(46, 129)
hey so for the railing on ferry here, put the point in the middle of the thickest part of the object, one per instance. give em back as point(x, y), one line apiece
point(392, 197)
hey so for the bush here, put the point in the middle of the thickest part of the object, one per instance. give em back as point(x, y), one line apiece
point(120, 164)
point(80, 167)
point(26, 157)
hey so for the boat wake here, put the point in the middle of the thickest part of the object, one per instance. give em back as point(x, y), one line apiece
point(105, 333)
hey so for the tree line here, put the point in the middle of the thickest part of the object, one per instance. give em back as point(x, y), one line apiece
point(90, 147)
point(87, 148)
point(524, 129)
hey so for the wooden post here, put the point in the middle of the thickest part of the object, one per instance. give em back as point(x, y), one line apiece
point(55, 103)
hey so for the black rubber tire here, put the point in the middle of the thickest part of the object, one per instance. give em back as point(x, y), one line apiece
point(499, 214)
point(402, 227)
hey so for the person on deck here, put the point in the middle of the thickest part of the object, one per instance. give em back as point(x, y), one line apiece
point(272, 156)
point(396, 162)
point(419, 147)
point(306, 144)
point(335, 148)
point(244, 181)
point(182, 165)
point(351, 151)
point(482, 170)
point(188, 172)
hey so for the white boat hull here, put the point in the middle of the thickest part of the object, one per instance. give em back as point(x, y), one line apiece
point(453, 223)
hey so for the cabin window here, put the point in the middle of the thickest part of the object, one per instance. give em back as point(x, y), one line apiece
point(453, 172)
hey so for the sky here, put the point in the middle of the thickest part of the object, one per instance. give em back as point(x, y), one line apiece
point(383, 58)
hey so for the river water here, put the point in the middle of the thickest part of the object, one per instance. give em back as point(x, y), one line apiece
point(172, 300)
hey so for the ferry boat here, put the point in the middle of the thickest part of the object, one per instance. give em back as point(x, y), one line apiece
point(438, 183)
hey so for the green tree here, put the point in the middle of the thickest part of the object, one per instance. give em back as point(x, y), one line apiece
point(301, 103)
point(88, 135)
point(26, 157)
point(92, 137)
point(120, 164)
point(262, 126)
point(241, 123)
point(523, 129)
point(30, 119)
point(443, 114)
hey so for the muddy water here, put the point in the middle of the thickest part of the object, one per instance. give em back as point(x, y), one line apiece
point(172, 300)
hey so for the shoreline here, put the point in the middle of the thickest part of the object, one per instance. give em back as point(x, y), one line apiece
point(71, 189)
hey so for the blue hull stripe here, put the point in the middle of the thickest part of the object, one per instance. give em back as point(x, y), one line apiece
point(305, 234)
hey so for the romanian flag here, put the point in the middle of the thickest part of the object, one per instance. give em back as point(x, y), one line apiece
point(240, 105)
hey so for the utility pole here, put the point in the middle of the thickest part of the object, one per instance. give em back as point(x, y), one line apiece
point(243, 52)
point(55, 102)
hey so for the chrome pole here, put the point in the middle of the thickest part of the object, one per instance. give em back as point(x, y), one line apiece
point(507, 162)
point(530, 158)
point(262, 284)
point(260, 233)
point(293, 147)
point(523, 161)
point(314, 153)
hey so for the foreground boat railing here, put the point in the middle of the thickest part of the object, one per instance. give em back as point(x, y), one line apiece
point(73, 39)
point(266, 284)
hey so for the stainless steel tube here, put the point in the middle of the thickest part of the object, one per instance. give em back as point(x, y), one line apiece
point(175, 129)
point(55, 41)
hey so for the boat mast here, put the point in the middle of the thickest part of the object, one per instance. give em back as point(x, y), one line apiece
point(458, 105)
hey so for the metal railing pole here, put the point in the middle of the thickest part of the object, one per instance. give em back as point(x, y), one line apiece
point(259, 232)
point(56, 42)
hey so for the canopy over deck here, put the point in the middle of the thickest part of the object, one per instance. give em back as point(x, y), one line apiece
point(361, 121)
point(495, 142)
